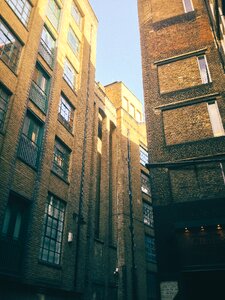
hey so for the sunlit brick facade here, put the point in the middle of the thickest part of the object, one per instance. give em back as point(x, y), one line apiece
point(182, 45)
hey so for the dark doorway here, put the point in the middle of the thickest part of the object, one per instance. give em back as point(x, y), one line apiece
point(203, 285)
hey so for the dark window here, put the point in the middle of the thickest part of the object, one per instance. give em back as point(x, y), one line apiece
point(52, 237)
point(145, 184)
point(47, 46)
point(150, 249)
point(143, 156)
point(30, 141)
point(40, 88)
point(148, 214)
point(152, 293)
point(61, 159)
point(223, 7)
point(13, 234)
point(22, 9)
point(10, 47)
point(53, 13)
point(66, 113)
point(99, 126)
point(4, 101)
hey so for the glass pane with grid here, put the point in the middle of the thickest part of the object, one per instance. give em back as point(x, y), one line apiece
point(148, 214)
point(4, 100)
point(22, 9)
point(47, 46)
point(69, 74)
point(150, 249)
point(61, 160)
point(10, 47)
point(51, 244)
point(145, 184)
point(143, 156)
point(73, 42)
point(66, 113)
point(53, 13)
point(76, 14)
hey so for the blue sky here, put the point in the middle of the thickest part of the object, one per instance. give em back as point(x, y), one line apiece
point(118, 45)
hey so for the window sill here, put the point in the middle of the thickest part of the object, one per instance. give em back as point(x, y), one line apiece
point(185, 17)
point(51, 265)
point(188, 89)
point(64, 125)
point(213, 138)
point(60, 177)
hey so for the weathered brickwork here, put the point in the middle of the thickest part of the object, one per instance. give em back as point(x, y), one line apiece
point(186, 153)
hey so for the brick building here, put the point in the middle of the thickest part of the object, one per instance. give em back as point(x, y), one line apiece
point(182, 45)
point(75, 203)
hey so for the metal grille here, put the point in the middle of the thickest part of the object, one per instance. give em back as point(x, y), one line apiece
point(38, 97)
point(145, 184)
point(28, 151)
point(46, 53)
point(61, 160)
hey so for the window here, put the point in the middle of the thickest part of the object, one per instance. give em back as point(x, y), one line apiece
point(21, 8)
point(76, 14)
point(52, 237)
point(47, 46)
point(40, 88)
point(203, 68)
point(10, 47)
point(53, 13)
point(73, 41)
point(150, 249)
point(30, 141)
point(66, 113)
point(143, 156)
point(132, 110)
point(152, 286)
point(138, 116)
point(4, 101)
point(145, 184)
point(13, 234)
point(70, 74)
point(148, 214)
point(100, 119)
point(215, 119)
point(61, 159)
point(188, 6)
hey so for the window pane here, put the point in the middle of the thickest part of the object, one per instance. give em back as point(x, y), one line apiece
point(150, 249)
point(53, 13)
point(22, 9)
point(188, 6)
point(4, 100)
point(148, 214)
point(69, 74)
point(215, 119)
point(61, 160)
point(145, 184)
point(203, 67)
point(51, 245)
point(76, 14)
point(66, 113)
point(143, 156)
point(73, 41)
point(10, 47)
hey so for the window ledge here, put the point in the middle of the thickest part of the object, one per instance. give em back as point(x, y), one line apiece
point(62, 123)
point(185, 17)
point(60, 177)
point(188, 89)
point(73, 90)
point(51, 265)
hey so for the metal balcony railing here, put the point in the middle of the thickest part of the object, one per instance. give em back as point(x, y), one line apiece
point(61, 167)
point(38, 97)
point(46, 53)
point(11, 254)
point(28, 151)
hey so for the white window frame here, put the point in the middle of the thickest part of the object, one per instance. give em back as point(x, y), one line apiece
point(185, 6)
point(215, 119)
point(72, 38)
point(207, 70)
point(78, 20)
